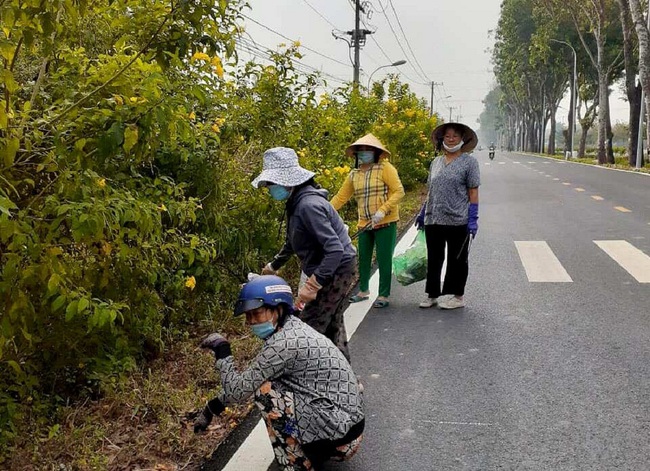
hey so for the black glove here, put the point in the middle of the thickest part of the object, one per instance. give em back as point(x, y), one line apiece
point(214, 407)
point(218, 344)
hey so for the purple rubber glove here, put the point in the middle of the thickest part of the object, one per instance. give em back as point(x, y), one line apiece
point(472, 220)
point(419, 221)
point(218, 344)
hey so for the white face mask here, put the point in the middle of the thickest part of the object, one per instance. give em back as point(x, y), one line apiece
point(456, 148)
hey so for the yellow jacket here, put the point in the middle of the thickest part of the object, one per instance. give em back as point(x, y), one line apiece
point(377, 188)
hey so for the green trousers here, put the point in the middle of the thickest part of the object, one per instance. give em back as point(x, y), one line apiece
point(384, 239)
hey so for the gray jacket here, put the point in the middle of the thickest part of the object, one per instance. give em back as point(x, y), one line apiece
point(316, 234)
point(298, 359)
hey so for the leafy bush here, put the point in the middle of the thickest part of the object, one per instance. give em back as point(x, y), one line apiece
point(126, 155)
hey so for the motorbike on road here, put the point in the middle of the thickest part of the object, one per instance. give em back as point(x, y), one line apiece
point(491, 153)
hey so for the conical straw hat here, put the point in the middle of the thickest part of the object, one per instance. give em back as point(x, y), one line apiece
point(469, 136)
point(367, 140)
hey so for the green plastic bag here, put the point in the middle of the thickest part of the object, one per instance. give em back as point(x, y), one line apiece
point(411, 266)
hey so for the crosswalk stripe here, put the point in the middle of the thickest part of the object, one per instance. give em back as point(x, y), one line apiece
point(631, 259)
point(540, 263)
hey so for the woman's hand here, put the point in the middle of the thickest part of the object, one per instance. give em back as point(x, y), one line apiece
point(309, 290)
point(472, 219)
point(377, 218)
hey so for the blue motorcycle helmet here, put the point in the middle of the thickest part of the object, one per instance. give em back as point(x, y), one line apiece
point(269, 290)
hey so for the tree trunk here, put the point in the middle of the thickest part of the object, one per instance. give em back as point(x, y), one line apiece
point(632, 88)
point(583, 141)
point(635, 112)
point(603, 108)
point(643, 35)
point(551, 137)
point(610, 137)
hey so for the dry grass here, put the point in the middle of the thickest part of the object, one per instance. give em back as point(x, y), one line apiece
point(145, 421)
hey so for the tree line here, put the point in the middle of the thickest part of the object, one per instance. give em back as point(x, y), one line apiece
point(538, 43)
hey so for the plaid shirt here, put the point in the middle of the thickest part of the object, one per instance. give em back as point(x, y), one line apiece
point(375, 189)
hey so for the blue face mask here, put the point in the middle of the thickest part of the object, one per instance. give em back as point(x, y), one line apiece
point(279, 192)
point(263, 330)
point(366, 156)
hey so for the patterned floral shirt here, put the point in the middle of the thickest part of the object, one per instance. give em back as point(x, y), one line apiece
point(299, 359)
point(448, 198)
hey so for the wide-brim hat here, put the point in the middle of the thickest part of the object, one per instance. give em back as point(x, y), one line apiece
point(280, 167)
point(369, 140)
point(470, 138)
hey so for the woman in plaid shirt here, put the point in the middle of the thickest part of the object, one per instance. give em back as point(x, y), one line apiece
point(375, 185)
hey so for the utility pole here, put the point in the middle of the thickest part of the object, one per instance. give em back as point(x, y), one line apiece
point(433, 85)
point(358, 40)
point(355, 41)
point(450, 109)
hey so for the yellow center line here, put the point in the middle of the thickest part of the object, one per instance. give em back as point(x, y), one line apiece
point(622, 209)
point(597, 198)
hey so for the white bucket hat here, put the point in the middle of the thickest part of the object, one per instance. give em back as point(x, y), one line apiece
point(281, 167)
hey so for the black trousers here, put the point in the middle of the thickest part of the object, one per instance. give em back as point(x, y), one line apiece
point(456, 239)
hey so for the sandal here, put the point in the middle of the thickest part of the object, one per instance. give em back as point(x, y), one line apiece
point(380, 303)
point(356, 298)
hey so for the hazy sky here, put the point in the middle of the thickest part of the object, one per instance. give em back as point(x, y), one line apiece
point(447, 42)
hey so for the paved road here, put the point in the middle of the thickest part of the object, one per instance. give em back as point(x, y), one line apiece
point(530, 375)
point(548, 366)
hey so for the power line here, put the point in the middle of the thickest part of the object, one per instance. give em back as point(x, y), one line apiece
point(293, 40)
point(257, 50)
point(391, 61)
point(390, 25)
point(406, 39)
point(319, 14)
point(384, 52)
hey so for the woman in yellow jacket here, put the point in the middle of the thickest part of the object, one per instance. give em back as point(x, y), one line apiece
point(376, 187)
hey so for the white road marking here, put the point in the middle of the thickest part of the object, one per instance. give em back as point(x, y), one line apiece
point(475, 424)
point(597, 198)
point(622, 209)
point(580, 189)
point(502, 163)
point(566, 183)
point(256, 454)
point(556, 179)
point(540, 263)
point(631, 259)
